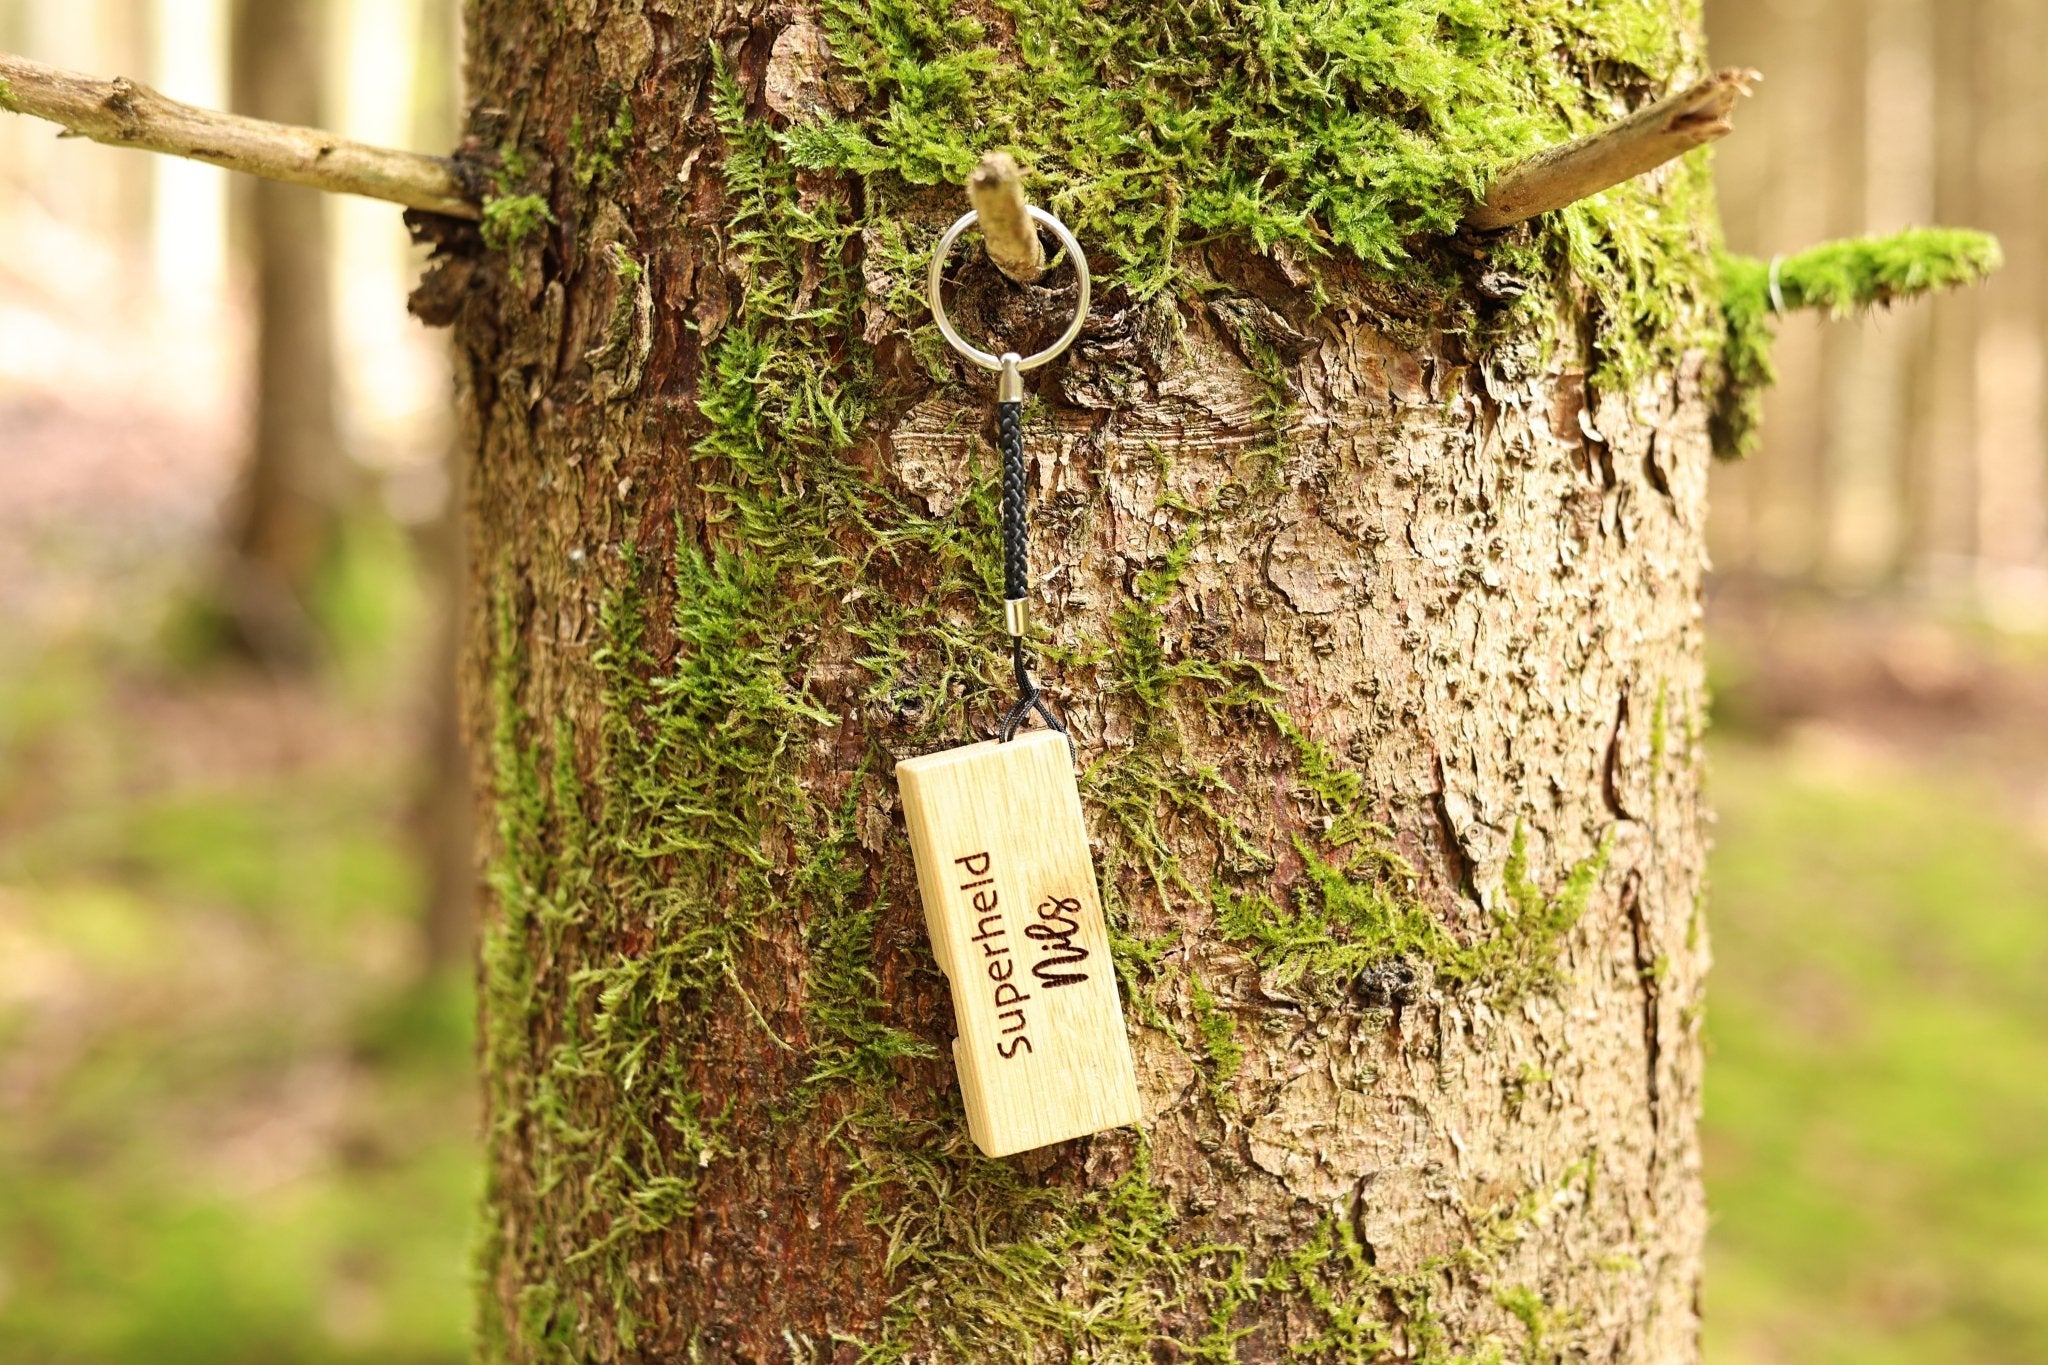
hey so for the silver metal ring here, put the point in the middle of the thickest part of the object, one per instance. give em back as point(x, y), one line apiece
point(989, 360)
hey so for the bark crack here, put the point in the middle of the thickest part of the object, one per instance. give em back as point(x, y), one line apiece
point(1647, 977)
point(1610, 776)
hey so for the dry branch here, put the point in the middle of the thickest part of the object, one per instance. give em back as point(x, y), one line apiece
point(996, 189)
point(1621, 151)
point(122, 113)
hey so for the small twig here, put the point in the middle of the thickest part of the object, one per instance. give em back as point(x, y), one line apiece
point(1621, 151)
point(996, 189)
point(122, 113)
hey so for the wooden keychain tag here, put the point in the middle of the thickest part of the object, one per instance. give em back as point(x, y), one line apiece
point(1002, 851)
point(1016, 922)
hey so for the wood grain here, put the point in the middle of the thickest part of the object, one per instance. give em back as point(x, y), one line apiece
point(1016, 923)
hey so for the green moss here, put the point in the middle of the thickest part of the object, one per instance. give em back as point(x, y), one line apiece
point(1338, 130)
point(1141, 667)
point(997, 1254)
point(1524, 955)
point(1327, 1272)
point(851, 1044)
point(509, 220)
point(1338, 791)
point(786, 390)
point(694, 763)
point(1277, 405)
point(1217, 1032)
point(697, 830)
point(1327, 126)
point(596, 162)
point(1335, 926)
point(509, 1004)
point(992, 1253)
point(1527, 1080)
point(1540, 1322)
point(1840, 277)
point(515, 210)
point(1352, 917)
point(1352, 1306)
point(1866, 272)
point(685, 828)
point(1354, 921)
point(7, 100)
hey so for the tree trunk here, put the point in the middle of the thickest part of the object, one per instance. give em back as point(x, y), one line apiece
point(445, 833)
point(282, 525)
point(1370, 594)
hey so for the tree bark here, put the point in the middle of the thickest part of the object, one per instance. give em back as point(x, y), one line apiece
point(1381, 652)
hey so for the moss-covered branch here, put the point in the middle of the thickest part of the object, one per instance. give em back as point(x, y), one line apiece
point(122, 113)
point(1840, 277)
point(1863, 272)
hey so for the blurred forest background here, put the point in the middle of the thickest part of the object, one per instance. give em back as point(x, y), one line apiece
point(236, 1098)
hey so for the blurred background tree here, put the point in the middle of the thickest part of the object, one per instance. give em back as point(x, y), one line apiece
point(297, 476)
point(1906, 455)
point(237, 1096)
point(234, 1124)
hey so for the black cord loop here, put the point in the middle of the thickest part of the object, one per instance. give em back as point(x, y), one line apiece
point(1016, 569)
point(1029, 699)
point(1010, 437)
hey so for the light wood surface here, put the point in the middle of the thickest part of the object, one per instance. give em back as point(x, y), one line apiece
point(996, 190)
point(1016, 923)
point(1621, 151)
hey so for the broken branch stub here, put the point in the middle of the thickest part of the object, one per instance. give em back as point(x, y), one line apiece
point(1643, 141)
point(996, 190)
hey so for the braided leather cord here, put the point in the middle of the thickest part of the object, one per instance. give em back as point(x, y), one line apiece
point(1016, 567)
point(1016, 546)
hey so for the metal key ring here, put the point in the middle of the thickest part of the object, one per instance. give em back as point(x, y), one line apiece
point(988, 360)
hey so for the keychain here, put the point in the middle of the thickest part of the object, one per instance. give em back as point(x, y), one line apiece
point(1002, 856)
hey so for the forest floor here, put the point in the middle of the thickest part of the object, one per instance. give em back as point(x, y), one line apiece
point(237, 1115)
point(1877, 1018)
